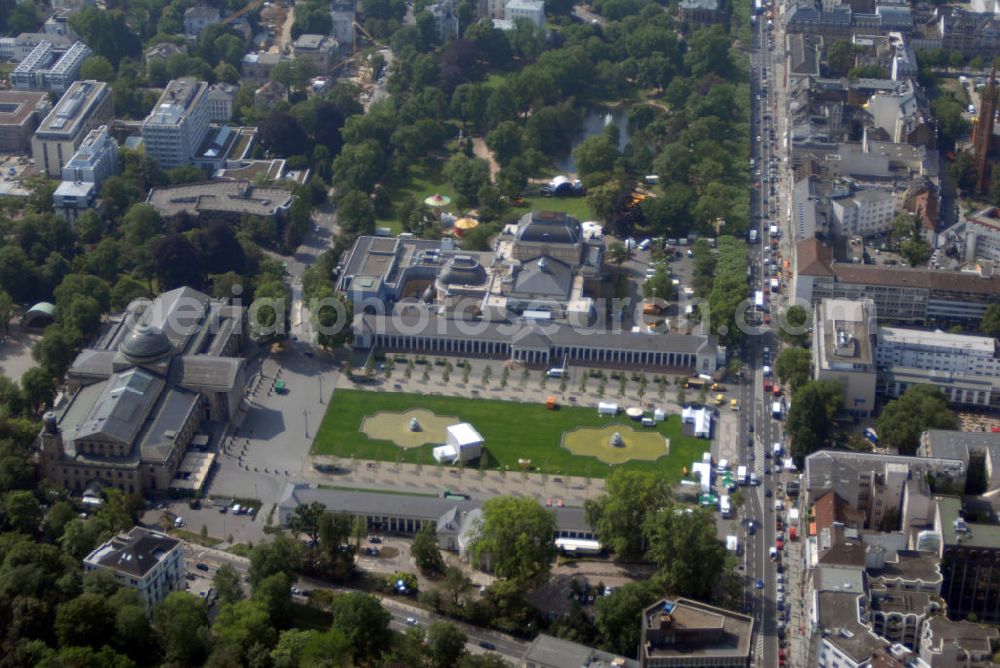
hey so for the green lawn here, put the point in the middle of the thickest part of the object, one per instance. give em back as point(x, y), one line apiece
point(512, 431)
point(423, 179)
point(574, 206)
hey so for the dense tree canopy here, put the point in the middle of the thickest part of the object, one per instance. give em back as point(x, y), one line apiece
point(810, 418)
point(618, 515)
point(515, 538)
point(903, 420)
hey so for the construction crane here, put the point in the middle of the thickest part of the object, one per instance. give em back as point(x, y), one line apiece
point(370, 38)
point(252, 5)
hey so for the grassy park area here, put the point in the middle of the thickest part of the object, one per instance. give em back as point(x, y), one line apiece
point(512, 431)
point(425, 178)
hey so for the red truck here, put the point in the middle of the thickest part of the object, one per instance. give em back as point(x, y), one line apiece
point(777, 390)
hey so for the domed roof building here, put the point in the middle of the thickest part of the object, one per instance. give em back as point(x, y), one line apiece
point(552, 234)
point(146, 343)
point(137, 397)
point(463, 270)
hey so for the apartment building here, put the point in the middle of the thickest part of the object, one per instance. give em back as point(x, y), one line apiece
point(20, 114)
point(220, 97)
point(981, 449)
point(84, 107)
point(318, 50)
point(175, 128)
point(844, 351)
point(93, 162)
point(864, 213)
point(874, 484)
point(970, 553)
point(696, 13)
point(150, 562)
point(198, 18)
point(949, 644)
point(982, 235)
point(343, 14)
point(258, 66)
point(48, 69)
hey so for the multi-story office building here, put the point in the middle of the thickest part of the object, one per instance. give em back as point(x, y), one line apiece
point(844, 350)
point(901, 294)
point(970, 554)
point(966, 368)
point(94, 161)
point(20, 114)
point(938, 351)
point(18, 48)
point(150, 562)
point(528, 10)
point(84, 107)
point(47, 69)
point(175, 128)
point(680, 633)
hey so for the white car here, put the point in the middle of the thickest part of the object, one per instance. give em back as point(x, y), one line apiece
point(411, 621)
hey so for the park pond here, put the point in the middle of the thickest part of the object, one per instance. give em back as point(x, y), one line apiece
point(594, 122)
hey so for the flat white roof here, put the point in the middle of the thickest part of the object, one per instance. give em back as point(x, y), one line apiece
point(917, 337)
point(464, 434)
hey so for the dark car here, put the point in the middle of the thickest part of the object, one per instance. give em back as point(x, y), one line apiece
point(202, 567)
point(485, 644)
point(767, 492)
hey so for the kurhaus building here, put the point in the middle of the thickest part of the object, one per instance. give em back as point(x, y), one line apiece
point(530, 299)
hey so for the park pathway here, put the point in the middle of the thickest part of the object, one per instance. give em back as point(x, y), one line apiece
point(480, 150)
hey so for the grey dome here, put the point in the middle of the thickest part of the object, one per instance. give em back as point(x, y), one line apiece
point(549, 227)
point(146, 343)
point(463, 270)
